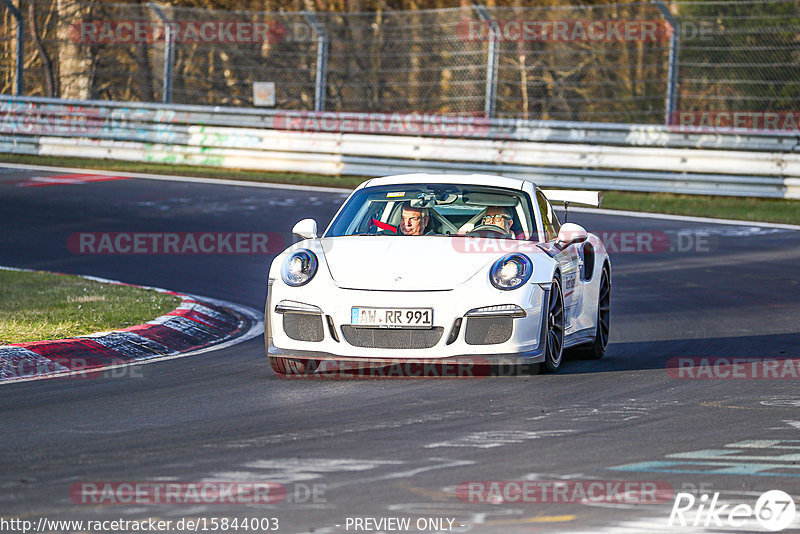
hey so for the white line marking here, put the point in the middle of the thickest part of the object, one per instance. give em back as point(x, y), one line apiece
point(444, 463)
point(293, 187)
point(496, 438)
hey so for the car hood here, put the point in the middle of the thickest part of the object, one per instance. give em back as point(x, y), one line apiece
point(403, 263)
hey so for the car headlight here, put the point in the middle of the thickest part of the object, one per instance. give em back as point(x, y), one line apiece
point(511, 271)
point(299, 267)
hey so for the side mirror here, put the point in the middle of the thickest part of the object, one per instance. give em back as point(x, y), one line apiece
point(305, 229)
point(571, 233)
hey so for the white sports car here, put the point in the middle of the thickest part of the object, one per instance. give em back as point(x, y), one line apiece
point(430, 267)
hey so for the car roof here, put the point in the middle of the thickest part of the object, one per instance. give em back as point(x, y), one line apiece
point(465, 179)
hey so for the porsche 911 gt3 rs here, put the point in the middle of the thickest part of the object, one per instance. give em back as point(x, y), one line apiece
point(439, 267)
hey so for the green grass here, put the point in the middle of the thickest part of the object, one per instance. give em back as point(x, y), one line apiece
point(743, 208)
point(37, 306)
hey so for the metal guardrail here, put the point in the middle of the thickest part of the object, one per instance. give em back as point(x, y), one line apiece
point(564, 154)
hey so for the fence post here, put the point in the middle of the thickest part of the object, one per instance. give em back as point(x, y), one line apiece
point(322, 61)
point(19, 81)
point(491, 63)
point(169, 52)
point(672, 67)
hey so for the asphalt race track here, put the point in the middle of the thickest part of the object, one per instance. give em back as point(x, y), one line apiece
point(380, 448)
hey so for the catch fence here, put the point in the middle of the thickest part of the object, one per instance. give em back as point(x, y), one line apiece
point(639, 62)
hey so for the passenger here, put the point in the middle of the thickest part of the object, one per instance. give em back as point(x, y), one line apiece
point(415, 220)
point(500, 217)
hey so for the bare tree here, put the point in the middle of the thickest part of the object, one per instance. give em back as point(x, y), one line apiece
point(74, 57)
point(50, 87)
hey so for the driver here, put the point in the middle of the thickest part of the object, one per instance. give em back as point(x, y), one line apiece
point(500, 217)
point(415, 220)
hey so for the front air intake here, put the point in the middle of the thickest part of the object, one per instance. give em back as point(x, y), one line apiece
point(392, 338)
point(488, 330)
point(303, 326)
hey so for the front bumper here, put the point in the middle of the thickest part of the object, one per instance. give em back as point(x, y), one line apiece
point(524, 345)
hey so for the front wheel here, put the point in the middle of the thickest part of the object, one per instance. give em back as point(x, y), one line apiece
point(554, 341)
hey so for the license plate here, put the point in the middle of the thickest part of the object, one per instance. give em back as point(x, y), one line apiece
point(392, 317)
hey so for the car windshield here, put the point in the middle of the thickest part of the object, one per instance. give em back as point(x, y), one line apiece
point(436, 210)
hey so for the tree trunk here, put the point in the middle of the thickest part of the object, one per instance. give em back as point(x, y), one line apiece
point(47, 64)
point(147, 92)
point(74, 58)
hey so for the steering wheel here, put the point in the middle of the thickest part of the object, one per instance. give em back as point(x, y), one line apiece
point(487, 230)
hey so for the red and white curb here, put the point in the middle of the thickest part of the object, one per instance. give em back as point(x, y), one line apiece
point(198, 325)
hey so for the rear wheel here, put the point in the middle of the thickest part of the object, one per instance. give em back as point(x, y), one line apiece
point(597, 348)
point(554, 342)
point(288, 366)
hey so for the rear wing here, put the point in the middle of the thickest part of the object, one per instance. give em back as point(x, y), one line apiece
point(562, 196)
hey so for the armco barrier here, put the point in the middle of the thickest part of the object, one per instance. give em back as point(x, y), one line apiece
point(604, 156)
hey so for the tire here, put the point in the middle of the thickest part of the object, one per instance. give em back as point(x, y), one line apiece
point(554, 342)
point(287, 366)
point(597, 348)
